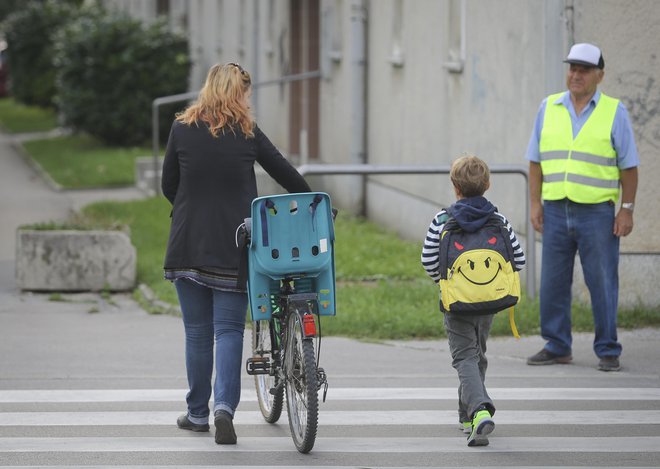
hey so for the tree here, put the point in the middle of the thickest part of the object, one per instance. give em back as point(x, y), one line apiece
point(111, 68)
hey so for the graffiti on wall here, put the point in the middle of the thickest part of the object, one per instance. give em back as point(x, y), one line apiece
point(642, 99)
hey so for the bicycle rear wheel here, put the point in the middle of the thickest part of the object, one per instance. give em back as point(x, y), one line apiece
point(301, 386)
point(270, 403)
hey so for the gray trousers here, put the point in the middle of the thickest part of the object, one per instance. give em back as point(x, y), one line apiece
point(467, 336)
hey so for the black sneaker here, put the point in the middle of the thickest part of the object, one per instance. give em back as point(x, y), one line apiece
point(184, 423)
point(224, 428)
point(609, 364)
point(545, 357)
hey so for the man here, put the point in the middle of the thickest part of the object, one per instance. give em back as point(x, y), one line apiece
point(582, 161)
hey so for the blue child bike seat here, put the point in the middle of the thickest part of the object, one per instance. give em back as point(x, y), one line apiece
point(292, 238)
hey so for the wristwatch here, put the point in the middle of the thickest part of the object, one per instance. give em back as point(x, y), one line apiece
point(628, 206)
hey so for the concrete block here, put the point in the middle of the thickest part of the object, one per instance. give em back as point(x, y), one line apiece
point(75, 260)
point(145, 173)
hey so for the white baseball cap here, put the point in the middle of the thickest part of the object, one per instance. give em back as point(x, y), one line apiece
point(585, 54)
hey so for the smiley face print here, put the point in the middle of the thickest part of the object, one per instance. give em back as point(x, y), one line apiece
point(479, 266)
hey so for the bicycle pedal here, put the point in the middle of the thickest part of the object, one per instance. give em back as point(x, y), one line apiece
point(257, 366)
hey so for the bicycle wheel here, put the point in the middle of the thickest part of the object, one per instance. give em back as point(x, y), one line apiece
point(301, 387)
point(262, 347)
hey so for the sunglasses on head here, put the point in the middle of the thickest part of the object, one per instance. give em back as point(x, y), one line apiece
point(240, 69)
point(244, 75)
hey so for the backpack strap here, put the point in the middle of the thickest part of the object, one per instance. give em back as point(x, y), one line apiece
point(496, 220)
point(450, 224)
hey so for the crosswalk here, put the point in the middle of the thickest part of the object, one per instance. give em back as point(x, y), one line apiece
point(358, 427)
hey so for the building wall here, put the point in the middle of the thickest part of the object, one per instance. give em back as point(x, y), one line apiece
point(419, 82)
point(629, 34)
point(421, 112)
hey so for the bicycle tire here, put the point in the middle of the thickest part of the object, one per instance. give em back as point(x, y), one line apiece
point(301, 386)
point(270, 404)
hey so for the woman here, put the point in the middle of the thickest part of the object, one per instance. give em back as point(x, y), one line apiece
point(208, 176)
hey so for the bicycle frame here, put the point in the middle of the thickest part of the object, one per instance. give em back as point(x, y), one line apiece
point(288, 302)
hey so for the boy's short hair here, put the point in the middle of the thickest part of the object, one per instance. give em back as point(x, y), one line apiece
point(470, 175)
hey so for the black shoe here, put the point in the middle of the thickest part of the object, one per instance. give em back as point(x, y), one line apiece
point(185, 424)
point(224, 428)
point(609, 364)
point(545, 357)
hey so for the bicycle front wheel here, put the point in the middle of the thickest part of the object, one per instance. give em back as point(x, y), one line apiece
point(301, 386)
point(269, 394)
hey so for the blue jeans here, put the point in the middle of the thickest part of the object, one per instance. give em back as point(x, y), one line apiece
point(568, 228)
point(467, 335)
point(208, 314)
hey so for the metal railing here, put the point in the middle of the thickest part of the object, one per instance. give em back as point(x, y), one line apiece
point(353, 169)
point(177, 98)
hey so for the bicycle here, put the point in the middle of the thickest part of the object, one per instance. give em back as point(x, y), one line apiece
point(291, 284)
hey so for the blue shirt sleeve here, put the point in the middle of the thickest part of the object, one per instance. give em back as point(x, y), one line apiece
point(533, 154)
point(623, 139)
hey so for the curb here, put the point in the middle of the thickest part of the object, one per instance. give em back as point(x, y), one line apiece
point(150, 302)
point(17, 144)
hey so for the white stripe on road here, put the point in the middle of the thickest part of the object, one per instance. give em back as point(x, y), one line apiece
point(339, 418)
point(317, 467)
point(332, 445)
point(335, 394)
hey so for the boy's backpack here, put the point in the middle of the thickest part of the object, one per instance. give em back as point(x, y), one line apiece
point(476, 269)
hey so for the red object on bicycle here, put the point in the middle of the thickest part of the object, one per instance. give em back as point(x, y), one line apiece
point(309, 325)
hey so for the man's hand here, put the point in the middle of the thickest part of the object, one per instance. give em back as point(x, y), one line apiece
point(536, 216)
point(623, 222)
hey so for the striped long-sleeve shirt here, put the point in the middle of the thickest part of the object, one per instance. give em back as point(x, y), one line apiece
point(431, 251)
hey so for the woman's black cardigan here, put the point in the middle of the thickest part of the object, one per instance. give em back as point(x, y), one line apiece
point(210, 182)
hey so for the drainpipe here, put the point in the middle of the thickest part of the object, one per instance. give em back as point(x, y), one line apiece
point(569, 14)
point(358, 116)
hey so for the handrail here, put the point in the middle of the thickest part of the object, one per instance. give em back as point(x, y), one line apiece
point(175, 98)
point(352, 169)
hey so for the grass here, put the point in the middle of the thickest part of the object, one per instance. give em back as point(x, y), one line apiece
point(382, 290)
point(80, 161)
point(18, 118)
point(75, 161)
point(75, 222)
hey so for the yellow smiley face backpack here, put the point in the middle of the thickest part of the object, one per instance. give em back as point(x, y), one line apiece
point(476, 269)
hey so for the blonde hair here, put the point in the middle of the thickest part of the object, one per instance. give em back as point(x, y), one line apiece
point(470, 175)
point(221, 102)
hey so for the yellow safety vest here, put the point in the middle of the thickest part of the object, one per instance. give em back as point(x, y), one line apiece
point(583, 169)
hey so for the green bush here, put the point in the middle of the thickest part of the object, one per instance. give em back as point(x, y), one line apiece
point(111, 68)
point(8, 7)
point(29, 32)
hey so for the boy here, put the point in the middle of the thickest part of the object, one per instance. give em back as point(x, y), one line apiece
point(467, 332)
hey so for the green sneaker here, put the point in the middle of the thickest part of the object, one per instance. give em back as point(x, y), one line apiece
point(482, 426)
point(466, 427)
